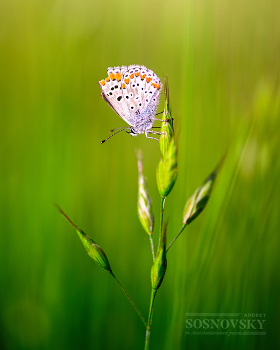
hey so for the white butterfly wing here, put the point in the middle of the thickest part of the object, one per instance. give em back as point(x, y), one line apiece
point(141, 92)
point(132, 92)
point(112, 92)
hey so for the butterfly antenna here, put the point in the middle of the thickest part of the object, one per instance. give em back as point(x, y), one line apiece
point(159, 113)
point(120, 127)
point(114, 134)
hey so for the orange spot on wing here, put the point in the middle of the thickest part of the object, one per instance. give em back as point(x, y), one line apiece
point(102, 82)
point(137, 74)
point(148, 79)
point(131, 75)
point(123, 85)
point(143, 76)
point(118, 76)
point(107, 79)
point(126, 80)
point(158, 86)
point(112, 76)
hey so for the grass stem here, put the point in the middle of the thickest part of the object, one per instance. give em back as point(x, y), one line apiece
point(151, 308)
point(131, 301)
point(161, 218)
point(182, 229)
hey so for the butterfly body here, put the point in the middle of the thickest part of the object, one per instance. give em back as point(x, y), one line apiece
point(133, 92)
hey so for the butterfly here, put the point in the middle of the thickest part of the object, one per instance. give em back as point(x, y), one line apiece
point(133, 92)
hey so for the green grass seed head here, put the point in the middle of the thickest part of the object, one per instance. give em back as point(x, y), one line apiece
point(197, 202)
point(94, 251)
point(144, 203)
point(167, 170)
point(167, 130)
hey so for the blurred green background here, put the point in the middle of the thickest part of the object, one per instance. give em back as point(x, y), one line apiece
point(222, 60)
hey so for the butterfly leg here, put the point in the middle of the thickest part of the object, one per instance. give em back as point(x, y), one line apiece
point(152, 132)
point(160, 120)
point(150, 137)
